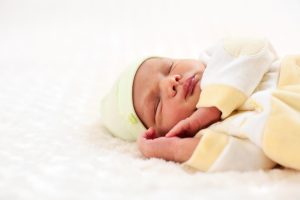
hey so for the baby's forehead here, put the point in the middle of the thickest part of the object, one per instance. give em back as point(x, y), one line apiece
point(151, 67)
point(154, 62)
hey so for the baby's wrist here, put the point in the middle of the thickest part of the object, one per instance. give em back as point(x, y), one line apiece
point(184, 149)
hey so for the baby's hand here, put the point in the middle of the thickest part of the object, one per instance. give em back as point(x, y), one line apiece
point(200, 119)
point(172, 148)
point(150, 145)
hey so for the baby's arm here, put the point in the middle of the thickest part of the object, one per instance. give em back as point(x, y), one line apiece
point(201, 118)
point(172, 149)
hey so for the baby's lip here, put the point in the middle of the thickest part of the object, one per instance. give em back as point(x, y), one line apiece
point(189, 85)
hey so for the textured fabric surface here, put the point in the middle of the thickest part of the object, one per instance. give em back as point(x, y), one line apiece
point(59, 57)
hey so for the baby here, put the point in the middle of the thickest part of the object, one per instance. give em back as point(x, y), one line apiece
point(236, 108)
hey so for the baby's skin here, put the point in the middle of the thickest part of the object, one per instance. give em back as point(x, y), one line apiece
point(179, 143)
point(170, 89)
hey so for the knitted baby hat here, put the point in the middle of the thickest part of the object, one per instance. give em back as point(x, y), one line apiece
point(117, 109)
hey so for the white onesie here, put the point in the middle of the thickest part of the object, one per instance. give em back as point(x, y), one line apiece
point(241, 79)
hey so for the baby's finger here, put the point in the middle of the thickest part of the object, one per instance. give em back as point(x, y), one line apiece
point(179, 129)
point(175, 131)
point(150, 133)
point(171, 134)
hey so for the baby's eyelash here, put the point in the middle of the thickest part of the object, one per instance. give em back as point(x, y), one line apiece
point(171, 67)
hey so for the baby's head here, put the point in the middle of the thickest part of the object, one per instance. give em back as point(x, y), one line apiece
point(159, 92)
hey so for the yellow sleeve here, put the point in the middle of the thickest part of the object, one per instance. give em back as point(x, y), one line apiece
point(221, 152)
point(209, 148)
point(225, 98)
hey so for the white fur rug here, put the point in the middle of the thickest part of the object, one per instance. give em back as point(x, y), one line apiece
point(59, 57)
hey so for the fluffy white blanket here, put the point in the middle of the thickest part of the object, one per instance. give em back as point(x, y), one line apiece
point(58, 58)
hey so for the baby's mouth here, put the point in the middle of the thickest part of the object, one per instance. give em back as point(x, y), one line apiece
point(189, 85)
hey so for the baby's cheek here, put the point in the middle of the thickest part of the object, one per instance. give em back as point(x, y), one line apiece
point(173, 111)
point(173, 115)
point(168, 122)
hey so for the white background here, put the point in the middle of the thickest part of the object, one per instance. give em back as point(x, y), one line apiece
point(59, 57)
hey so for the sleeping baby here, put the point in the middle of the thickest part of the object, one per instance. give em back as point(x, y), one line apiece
point(237, 107)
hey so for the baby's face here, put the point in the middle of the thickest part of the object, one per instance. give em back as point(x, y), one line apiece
point(166, 90)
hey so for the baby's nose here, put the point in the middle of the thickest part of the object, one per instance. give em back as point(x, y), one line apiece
point(177, 77)
point(174, 82)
